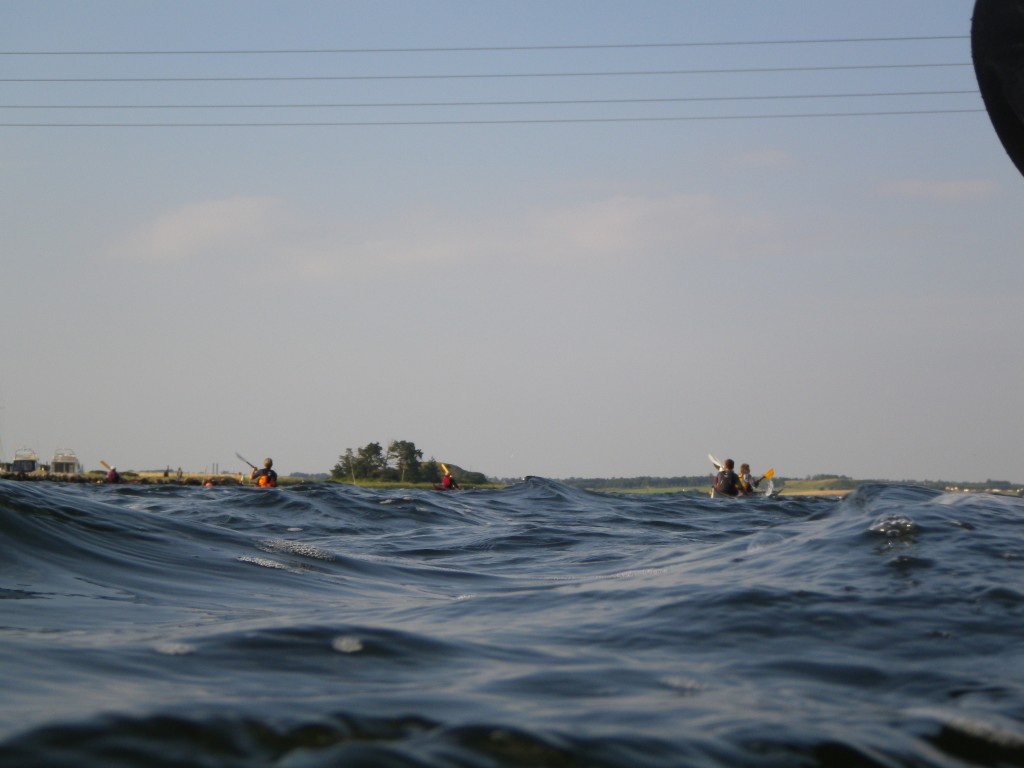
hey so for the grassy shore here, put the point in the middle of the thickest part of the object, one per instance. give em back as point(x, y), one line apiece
point(705, 490)
point(200, 479)
point(389, 485)
point(786, 487)
point(193, 478)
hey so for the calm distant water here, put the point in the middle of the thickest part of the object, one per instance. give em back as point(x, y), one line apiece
point(536, 625)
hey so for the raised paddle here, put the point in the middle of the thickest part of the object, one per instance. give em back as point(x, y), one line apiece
point(718, 465)
point(245, 460)
point(105, 465)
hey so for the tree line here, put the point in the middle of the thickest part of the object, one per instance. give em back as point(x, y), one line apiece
point(635, 483)
point(401, 462)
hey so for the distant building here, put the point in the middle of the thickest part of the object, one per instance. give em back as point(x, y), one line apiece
point(25, 461)
point(65, 462)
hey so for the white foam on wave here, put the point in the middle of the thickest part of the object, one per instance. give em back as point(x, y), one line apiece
point(262, 562)
point(639, 572)
point(294, 548)
point(994, 729)
point(894, 526)
point(347, 644)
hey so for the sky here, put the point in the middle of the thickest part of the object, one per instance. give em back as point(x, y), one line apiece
point(584, 238)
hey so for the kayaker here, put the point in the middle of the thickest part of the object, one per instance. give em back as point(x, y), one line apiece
point(746, 483)
point(266, 477)
point(448, 482)
point(727, 482)
point(113, 476)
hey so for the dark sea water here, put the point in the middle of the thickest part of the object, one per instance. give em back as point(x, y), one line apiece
point(536, 625)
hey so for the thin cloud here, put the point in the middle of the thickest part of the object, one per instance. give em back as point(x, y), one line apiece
point(211, 231)
point(622, 226)
point(627, 226)
point(617, 227)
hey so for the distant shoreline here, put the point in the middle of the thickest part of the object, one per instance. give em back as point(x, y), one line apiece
point(789, 488)
point(199, 479)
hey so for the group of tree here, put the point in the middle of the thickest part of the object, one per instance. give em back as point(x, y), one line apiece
point(402, 462)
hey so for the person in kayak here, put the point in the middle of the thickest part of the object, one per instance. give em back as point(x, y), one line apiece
point(113, 476)
point(448, 482)
point(727, 482)
point(747, 484)
point(266, 477)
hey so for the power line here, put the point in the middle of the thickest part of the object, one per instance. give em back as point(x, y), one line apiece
point(491, 48)
point(524, 103)
point(525, 121)
point(622, 73)
point(484, 76)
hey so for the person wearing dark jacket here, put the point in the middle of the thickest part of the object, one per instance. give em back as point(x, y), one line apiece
point(727, 482)
point(266, 477)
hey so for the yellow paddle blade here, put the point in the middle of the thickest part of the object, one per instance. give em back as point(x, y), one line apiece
point(444, 468)
point(769, 474)
point(105, 465)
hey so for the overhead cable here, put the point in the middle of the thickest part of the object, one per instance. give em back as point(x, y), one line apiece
point(523, 103)
point(376, 123)
point(489, 48)
point(486, 75)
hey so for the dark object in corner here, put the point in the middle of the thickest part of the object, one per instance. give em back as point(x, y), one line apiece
point(997, 47)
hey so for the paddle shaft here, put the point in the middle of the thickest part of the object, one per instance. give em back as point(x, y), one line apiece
point(245, 460)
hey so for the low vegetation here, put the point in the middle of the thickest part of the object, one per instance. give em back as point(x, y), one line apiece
point(819, 485)
point(401, 466)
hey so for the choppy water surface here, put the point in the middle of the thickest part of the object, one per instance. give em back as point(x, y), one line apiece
point(536, 625)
